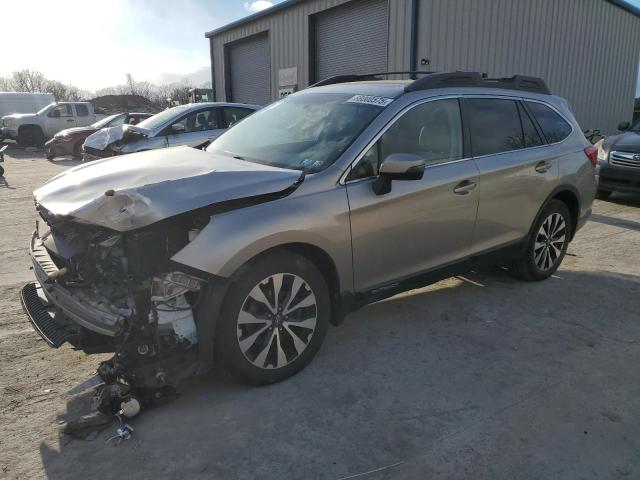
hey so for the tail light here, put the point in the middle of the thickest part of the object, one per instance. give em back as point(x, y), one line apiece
point(592, 154)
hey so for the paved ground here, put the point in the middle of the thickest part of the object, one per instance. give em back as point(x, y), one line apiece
point(475, 377)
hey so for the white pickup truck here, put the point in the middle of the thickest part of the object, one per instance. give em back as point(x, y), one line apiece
point(32, 129)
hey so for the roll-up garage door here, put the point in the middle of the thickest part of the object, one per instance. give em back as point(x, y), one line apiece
point(249, 63)
point(352, 39)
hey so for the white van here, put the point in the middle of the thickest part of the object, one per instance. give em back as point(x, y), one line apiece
point(22, 102)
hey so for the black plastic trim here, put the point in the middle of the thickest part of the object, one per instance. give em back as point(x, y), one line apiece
point(476, 79)
point(501, 253)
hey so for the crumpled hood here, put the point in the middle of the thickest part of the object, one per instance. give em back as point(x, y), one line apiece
point(105, 137)
point(132, 191)
point(627, 142)
point(74, 130)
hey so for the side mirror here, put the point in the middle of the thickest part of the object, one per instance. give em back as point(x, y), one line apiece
point(55, 114)
point(177, 128)
point(398, 166)
point(624, 126)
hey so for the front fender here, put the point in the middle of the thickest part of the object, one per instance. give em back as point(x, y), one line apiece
point(231, 239)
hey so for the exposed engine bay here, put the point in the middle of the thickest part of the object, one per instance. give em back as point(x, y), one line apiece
point(118, 292)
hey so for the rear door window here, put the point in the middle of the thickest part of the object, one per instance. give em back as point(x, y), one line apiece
point(554, 127)
point(82, 110)
point(233, 115)
point(495, 125)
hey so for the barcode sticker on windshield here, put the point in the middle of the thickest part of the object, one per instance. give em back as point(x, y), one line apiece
point(370, 100)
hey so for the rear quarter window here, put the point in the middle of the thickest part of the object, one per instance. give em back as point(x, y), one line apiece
point(554, 127)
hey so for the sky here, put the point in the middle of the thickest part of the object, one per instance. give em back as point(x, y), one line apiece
point(93, 43)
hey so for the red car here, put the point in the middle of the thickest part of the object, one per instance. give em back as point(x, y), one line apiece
point(69, 142)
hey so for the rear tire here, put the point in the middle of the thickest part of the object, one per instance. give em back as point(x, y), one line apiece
point(77, 150)
point(1, 171)
point(547, 243)
point(603, 194)
point(30, 136)
point(273, 320)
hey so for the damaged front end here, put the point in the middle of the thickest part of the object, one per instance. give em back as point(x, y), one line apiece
point(103, 254)
point(107, 142)
point(108, 291)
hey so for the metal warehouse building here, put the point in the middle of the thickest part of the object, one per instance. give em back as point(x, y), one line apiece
point(586, 50)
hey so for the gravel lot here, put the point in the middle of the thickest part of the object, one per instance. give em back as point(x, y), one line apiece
point(474, 377)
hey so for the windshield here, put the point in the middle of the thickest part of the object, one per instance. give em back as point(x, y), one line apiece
point(302, 132)
point(107, 121)
point(44, 109)
point(161, 118)
point(636, 127)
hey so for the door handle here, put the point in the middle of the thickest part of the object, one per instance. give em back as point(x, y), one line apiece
point(70, 120)
point(464, 187)
point(543, 167)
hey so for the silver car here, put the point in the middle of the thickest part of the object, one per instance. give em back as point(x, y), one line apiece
point(335, 197)
point(192, 125)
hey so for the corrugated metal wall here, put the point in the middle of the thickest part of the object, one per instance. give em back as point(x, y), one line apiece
point(352, 38)
point(587, 50)
point(250, 70)
point(289, 35)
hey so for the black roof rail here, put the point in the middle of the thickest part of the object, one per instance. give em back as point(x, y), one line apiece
point(476, 79)
point(361, 77)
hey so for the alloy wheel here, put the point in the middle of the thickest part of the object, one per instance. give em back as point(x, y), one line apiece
point(550, 241)
point(277, 320)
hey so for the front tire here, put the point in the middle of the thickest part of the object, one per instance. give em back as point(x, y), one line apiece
point(274, 318)
point(547, 244)
point(30, 136)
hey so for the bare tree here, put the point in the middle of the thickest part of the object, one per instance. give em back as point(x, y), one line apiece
point(35, 81)
point(6, 84)
point(131, 84)
point(29, 81)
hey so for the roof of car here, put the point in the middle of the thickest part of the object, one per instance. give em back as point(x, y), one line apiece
point(380, 88)
point(373, 84)
point(188, 106)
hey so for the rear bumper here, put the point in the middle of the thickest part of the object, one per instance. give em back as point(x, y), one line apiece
point(69, 305)
point(619, 179)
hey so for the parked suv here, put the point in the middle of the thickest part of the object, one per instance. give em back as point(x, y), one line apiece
point(619, 162)
point(334, 197)
point(32, 129)
point(193, 125)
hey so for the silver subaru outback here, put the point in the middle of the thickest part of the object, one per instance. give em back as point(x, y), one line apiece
point(337, 196)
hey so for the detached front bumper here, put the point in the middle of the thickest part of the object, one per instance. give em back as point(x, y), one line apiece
point(55, 311)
